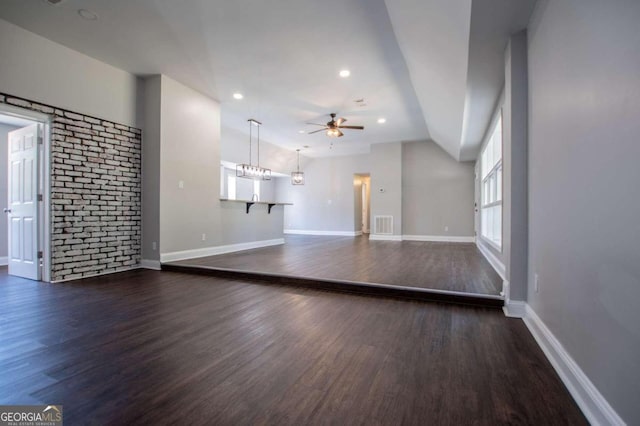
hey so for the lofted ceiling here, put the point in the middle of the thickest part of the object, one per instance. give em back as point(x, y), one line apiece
point(432, 68)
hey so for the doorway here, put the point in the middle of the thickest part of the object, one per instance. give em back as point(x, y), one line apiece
point(362, 192)
point(22, 190)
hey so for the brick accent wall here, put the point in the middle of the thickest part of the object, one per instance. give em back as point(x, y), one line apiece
point(95, 193)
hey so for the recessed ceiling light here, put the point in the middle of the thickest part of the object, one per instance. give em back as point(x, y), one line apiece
point(238, 96)
point(88, 15)
point(300, 131)
point(382, 120)
point(345, 73)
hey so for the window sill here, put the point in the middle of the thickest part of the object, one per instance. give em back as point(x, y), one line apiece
point(491, 243)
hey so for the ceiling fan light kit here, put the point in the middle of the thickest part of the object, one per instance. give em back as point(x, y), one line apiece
point(333, 127)
point(250, 171)
point(297, 177)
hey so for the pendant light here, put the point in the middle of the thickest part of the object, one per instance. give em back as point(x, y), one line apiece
point(250, 171)
point(297, 177)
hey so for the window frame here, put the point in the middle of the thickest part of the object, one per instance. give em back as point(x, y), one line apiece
point(492, 185)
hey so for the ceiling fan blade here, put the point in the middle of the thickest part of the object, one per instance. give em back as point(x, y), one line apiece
point(340, 133)
point(316, 131)
point(340, 120)
point(316, 124)
point(353, 127)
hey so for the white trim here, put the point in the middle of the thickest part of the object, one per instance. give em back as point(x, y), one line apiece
point(491, 243)
point(493, 260)
point(439, 238)
point(514, 309)
point(150, 264)
point(46, 203)
point(25, 112)
point(44, 160)
point(381, 237)
point(4, 261)
point(593, 405)
point(332, 233)
point(212, 251)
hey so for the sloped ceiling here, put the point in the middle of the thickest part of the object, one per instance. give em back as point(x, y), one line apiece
point(454, 52)
point(410, 60)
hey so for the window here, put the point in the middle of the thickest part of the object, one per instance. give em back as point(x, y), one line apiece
point(491, 187)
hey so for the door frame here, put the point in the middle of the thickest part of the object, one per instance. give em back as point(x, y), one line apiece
point(44, 181)
point(476, 202)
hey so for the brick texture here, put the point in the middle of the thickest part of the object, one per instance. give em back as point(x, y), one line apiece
point(95, 193)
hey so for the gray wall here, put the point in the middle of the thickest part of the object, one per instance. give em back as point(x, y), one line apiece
point(326, 201)
point(4, 149)
point(182, 178)
point(39, 69)
point(386, 175)
point(151, 168)
point(437, 192)
point(584, 91)
point(235, 148)
point(190, 153)
point(514, 131)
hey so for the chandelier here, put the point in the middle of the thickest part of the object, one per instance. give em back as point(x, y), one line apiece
point(250, 171)
point(297, 177)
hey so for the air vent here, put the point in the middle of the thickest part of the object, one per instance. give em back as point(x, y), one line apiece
point(54, 2)
point(383, 225)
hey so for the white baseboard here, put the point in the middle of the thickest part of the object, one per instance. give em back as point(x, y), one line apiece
point(150, 264)
point(4, 261)
point(593, 405)
point(514, 309)
point(379, 237)
point(328, 233)
point(439, 238)
point(492, 259)
point(212, 251)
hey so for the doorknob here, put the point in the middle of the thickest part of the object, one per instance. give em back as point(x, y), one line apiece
point(6, 210)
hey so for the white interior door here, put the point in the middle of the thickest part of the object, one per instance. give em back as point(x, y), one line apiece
point(22, 210)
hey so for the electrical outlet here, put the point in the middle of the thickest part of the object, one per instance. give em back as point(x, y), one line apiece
point(446, 229)
point(181, 184)
point(154, 245)
point(204, 237)
point(536, 283)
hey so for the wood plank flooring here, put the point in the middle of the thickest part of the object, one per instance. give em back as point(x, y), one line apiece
point(441, 266)
point(156, 347)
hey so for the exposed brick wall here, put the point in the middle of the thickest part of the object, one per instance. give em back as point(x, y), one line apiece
point(95, 193)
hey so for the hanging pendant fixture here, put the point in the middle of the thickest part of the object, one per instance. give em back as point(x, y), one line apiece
point(250, 171)
point(297, 177)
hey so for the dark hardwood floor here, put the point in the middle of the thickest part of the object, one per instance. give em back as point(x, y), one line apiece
point(150, 347)
point(441, 266)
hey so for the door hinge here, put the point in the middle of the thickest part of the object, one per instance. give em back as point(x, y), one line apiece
point(39, 197)
point(40, 140)
point(40, 255)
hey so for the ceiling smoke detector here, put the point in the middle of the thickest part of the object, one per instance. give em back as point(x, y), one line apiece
point(54, 2)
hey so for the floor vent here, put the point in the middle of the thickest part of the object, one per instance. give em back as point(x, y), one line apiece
point(383, 225)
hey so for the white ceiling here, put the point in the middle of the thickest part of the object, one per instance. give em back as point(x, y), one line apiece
point(285, 55)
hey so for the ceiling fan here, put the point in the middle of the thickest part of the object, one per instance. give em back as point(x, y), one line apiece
point(333, 127)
